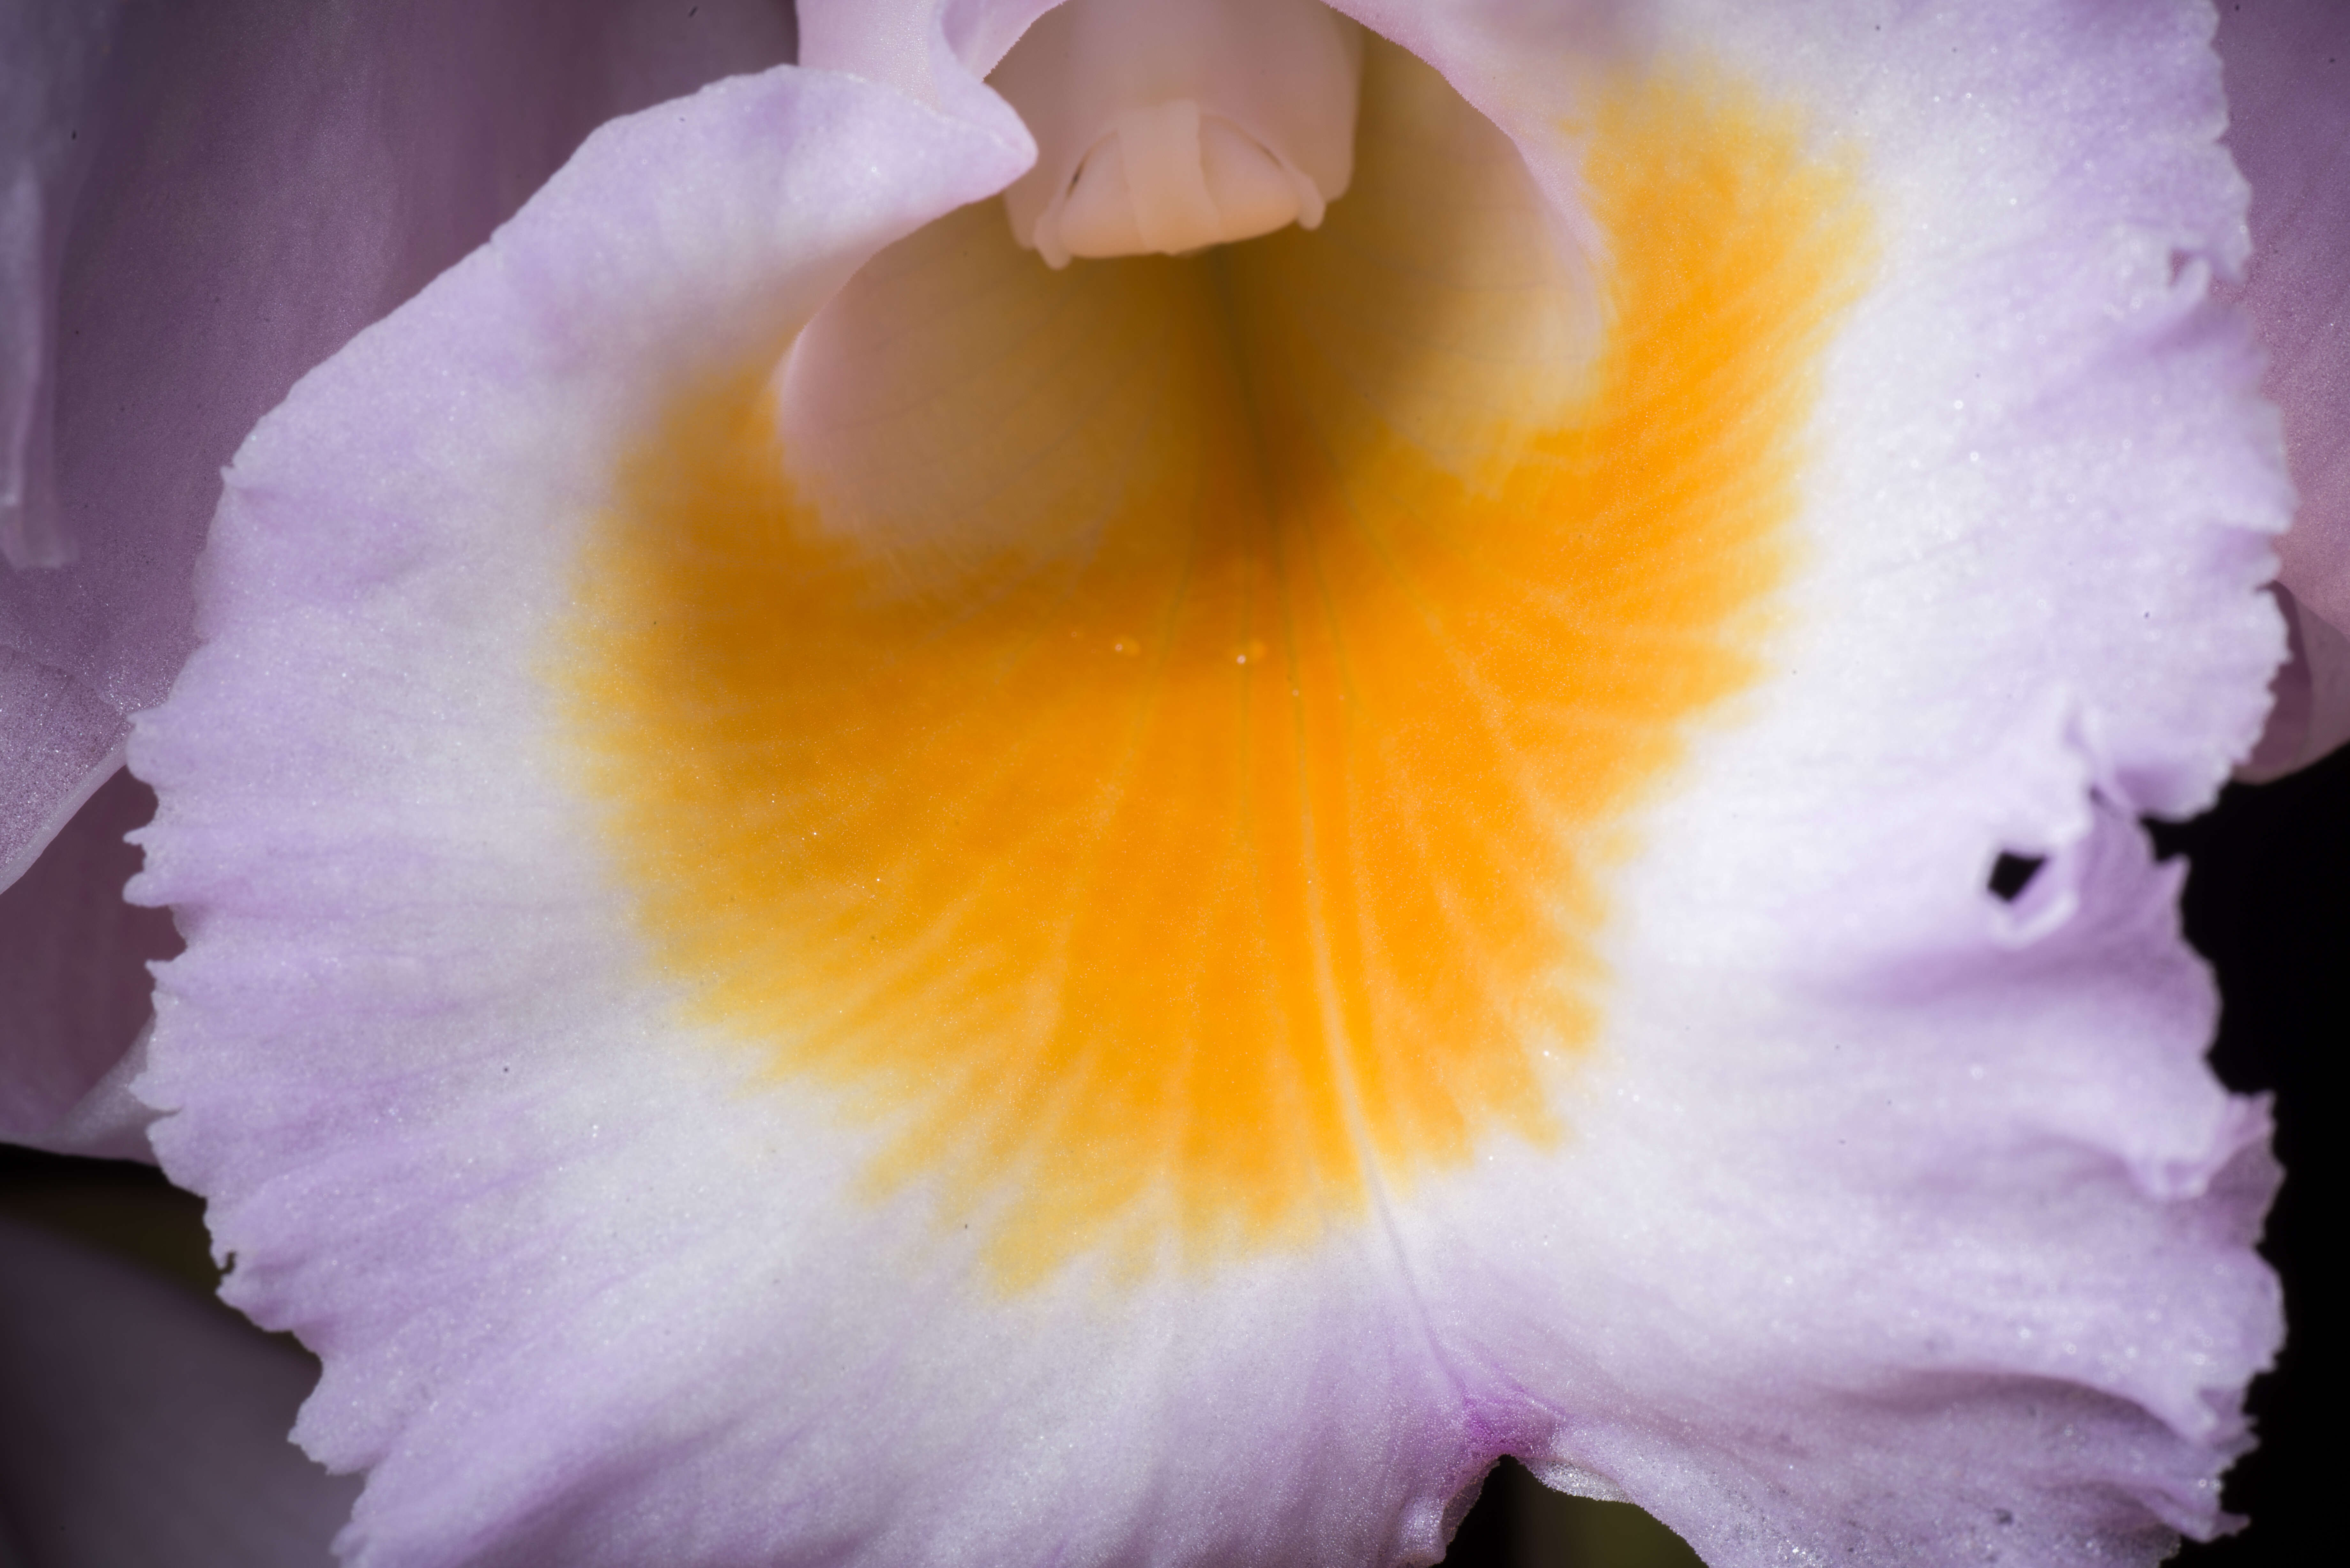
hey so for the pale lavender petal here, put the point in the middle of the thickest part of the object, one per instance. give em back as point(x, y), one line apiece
point(263, 178)
point(930, 50)
point(145, 1427)
point(2040, 1264)
point(678, 241)
point(1897, 1223)
point(74, 986)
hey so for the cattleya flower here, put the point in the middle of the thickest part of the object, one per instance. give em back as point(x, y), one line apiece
point(1107, 783)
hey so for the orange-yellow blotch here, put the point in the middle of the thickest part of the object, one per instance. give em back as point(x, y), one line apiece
point(1159, 748)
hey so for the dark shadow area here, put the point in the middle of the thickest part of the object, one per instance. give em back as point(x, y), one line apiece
point(1519, 1522)
point(113, 1205)
point(2268, 902)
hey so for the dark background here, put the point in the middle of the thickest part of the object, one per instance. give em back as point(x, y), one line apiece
point(2268, 902)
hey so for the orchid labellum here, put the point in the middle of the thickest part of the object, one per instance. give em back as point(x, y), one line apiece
point(1106, 783)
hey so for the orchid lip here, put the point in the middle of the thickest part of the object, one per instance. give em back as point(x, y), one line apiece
point(765, 984)
point(1190, 720)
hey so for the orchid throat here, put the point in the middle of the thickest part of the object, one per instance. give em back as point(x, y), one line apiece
point(1155, 738)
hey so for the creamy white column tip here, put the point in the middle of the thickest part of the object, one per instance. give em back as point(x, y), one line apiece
point(1167, 129)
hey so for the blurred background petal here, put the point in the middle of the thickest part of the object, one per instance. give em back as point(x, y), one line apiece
point(74, 988)
point(246, 184)
point(146, 1426)
point(2287, 64)
point(197, 204)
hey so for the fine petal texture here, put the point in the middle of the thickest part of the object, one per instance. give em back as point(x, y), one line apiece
point(258, 180)
point(74, 986)
point(2288, 75)
point(146, 1429)
point(1872, 1216)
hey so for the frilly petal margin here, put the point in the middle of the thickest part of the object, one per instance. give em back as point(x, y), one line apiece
point(145, 1426)
point(235, 189)
point(74, 981)
point(1972, 1214)
point(1900, 1223)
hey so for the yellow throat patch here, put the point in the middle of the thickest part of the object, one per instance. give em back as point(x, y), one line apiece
point(1159, 749)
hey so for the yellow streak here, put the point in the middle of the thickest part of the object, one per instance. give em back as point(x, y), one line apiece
point(1161, 755)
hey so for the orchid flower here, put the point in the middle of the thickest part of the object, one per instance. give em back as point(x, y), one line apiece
point(1109, 784)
